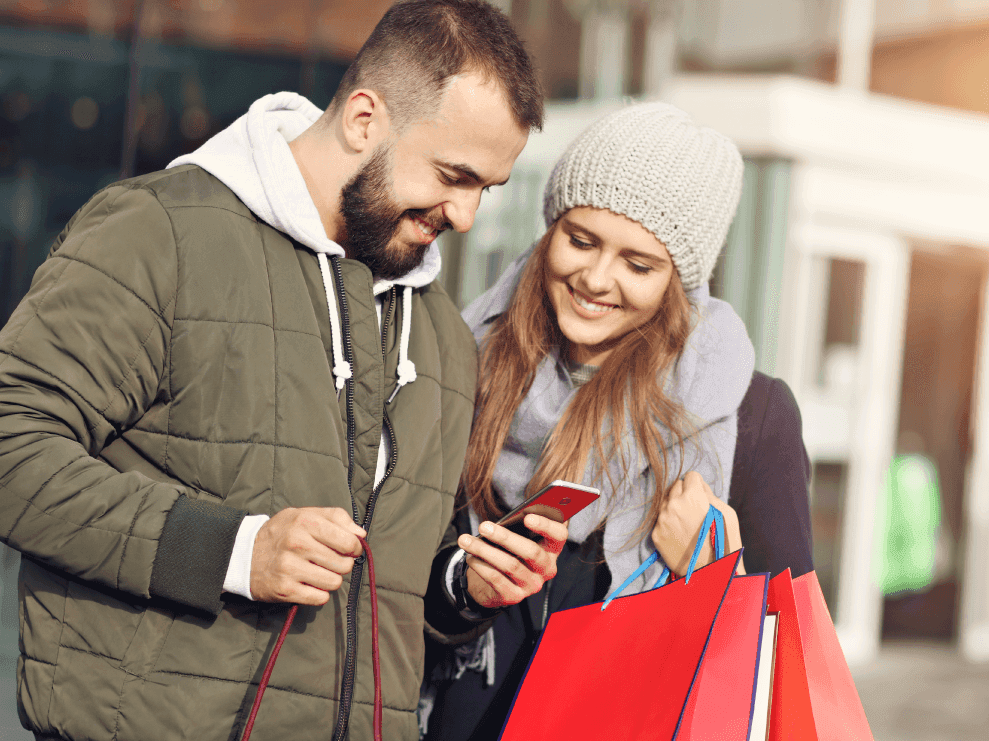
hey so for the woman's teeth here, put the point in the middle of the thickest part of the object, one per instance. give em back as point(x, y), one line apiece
point(599, 308)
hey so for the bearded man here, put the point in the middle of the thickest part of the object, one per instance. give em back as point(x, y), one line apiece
point(228, 371)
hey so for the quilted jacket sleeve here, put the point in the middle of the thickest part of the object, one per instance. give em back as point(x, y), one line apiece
point(80, 361)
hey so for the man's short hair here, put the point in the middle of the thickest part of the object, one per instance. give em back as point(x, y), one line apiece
point(419, 45)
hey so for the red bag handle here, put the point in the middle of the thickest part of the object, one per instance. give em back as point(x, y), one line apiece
point(375, 657)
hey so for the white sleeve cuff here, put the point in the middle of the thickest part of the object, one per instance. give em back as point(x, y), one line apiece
point(238, 578)
point(451, 566)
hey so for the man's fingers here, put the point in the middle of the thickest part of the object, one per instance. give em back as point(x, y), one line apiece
point(334, 530)
point(302, 553)
point(302, 594)
point(342, 518)
point(330, 560)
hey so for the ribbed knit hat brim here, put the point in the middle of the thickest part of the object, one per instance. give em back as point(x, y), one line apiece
point(652, 163)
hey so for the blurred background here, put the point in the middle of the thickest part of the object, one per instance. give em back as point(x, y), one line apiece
point(858, 258)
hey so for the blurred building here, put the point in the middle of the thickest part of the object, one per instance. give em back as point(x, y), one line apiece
point(858, 258)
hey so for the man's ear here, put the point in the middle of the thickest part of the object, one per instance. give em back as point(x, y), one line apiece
point(365, 122)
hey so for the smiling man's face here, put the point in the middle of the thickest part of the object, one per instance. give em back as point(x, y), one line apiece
point(430, 178)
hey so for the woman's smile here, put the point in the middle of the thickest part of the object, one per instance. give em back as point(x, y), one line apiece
point(595, 308)
point(605, 275)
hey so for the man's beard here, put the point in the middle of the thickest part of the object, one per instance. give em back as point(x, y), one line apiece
point(372, 219)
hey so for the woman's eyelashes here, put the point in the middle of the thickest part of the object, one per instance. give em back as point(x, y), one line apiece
point(637, 267)
point(640, 269)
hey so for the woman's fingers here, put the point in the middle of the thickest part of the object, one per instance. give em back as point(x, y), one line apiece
point(490, 586)
point(509, 567)
point(554, 533)
point(679, 523)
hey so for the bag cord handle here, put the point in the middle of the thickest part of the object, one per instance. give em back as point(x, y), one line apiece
point(714, 521)
point(375, 657)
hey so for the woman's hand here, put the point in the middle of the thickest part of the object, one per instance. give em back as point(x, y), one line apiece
point(680, 520)
point(496, 578)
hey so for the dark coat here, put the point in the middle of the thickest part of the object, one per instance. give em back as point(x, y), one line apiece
point(769, 491)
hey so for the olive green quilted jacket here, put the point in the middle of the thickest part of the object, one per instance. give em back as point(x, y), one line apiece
point(166, 374)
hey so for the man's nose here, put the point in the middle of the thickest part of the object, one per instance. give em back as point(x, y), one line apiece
point(461, 208)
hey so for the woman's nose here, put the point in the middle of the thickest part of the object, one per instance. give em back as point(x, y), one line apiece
point(597, 275)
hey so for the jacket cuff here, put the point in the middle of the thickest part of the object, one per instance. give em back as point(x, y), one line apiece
point(194, 552)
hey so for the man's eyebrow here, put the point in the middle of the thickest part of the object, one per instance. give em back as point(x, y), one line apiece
point(466, 171)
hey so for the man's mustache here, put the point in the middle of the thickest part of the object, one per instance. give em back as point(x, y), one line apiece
point(431, 218)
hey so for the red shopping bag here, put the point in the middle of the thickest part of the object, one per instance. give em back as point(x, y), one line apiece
point(643, 666)
point(721, 704)
point(814, 697)
point(624, 672)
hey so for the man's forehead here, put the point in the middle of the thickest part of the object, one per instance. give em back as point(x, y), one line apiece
point(472, 133)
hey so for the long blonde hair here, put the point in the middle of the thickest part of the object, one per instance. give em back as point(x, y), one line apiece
point(630, 377)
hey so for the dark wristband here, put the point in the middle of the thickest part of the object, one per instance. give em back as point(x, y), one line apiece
point(462, 596)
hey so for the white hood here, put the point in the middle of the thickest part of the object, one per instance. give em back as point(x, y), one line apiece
point(253, 159)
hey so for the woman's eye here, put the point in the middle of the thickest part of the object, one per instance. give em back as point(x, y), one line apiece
point(580, 245)
point(641, 269)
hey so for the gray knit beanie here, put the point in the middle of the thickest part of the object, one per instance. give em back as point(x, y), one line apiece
point(652, 163)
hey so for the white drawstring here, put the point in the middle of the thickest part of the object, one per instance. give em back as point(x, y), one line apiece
point(341, 368)
point(406, 368)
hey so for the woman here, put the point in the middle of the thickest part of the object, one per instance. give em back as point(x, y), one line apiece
point(605, 361)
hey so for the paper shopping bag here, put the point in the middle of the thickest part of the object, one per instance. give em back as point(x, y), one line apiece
point(624, 672)
point(814, 696)
point(721, 705)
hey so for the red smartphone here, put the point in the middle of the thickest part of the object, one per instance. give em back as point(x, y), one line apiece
point(559, 501)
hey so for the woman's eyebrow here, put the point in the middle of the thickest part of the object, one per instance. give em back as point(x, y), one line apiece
point(650, 256)
point(572, 226)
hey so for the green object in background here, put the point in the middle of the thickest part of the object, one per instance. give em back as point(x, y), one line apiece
point(913, 513)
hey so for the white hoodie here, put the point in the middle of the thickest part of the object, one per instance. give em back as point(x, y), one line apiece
point(253, 159)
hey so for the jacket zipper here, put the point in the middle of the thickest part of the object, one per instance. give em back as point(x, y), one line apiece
point(356, 576)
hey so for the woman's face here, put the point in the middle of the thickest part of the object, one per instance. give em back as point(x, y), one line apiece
point(606, 275)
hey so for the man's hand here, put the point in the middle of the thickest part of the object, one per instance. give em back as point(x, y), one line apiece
point(680, 520)
point(301, 555)
point(498, 579)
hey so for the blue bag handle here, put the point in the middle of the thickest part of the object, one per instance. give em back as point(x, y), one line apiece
point(713, 516)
